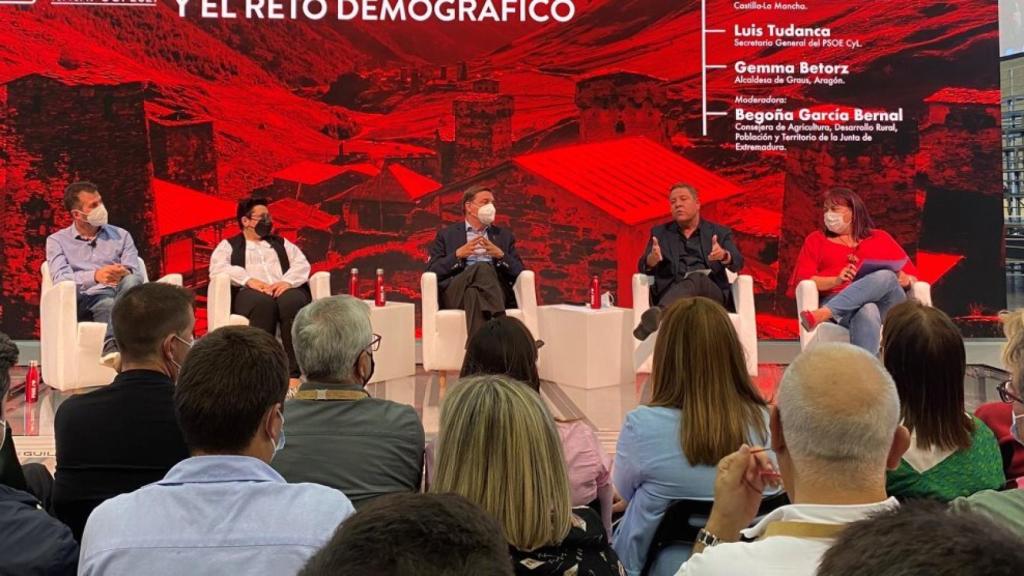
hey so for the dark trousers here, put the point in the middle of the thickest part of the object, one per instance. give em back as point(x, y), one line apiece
point(266, 312)
point(479, 292)
point(695, 285)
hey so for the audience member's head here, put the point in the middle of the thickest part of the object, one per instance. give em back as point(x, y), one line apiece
point(699, 368)
point(332, 340)
point(504, 345)
point(230, 392)
point(8, 359)
point(923, 351)
point(499, 448)
point(1013, 353)
point(153, 326)
point(925, 538)
point(836, 424)
point(415, 535)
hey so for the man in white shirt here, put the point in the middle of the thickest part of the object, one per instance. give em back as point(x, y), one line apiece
point(835, 431)
point(223, 510)
point(269, 274)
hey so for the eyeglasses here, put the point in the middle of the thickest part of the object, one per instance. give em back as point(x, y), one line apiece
point(1005, 395)
point(374, 344)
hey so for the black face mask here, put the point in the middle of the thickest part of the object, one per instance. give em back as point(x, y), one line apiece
point(264, 227)
point(373, 365)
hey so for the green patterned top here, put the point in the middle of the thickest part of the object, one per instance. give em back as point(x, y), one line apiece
point(962, 473)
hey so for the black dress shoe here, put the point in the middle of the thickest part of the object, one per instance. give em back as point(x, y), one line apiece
point(648, 323)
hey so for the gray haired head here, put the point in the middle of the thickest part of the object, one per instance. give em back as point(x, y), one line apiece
point(328, 336)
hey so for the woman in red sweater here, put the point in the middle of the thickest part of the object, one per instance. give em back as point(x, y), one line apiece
point(833, 257)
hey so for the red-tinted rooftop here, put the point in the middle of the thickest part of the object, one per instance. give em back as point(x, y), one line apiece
point(628, 178)
point(179, 209)
point(964, 96)
point(311, 173)
point(292, 213)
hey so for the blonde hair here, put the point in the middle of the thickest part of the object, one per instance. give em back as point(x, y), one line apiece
point(499, 448)
point(1013, 353)
point(699, 368)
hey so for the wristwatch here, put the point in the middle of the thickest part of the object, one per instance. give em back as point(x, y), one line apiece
point(706, 538)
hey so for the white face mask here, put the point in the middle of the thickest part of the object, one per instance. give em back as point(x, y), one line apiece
point(486, 214)
point(1015, 430)
point(98, 216)
point(835, 222)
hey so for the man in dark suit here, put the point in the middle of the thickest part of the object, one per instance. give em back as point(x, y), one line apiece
point(121, 437)
point(476, 262)
point(688, 257)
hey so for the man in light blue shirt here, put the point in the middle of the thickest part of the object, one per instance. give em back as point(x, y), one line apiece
point(224, 510)
point(99, 258)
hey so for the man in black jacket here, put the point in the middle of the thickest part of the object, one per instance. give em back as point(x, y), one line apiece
point(476, 262)
point(123, 436)
point(688, 257)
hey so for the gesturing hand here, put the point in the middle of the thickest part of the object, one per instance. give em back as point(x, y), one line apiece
point(718, 254)
point(258, 285)
point(739, 484)
point(467, 249)
point(110, 274)
point(278, 288)
point(492, 249)
point(654, 256)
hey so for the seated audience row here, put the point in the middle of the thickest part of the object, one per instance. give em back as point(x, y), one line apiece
point(703, 405)
point(224, 507)
point(504, 345)
point(190, 476)
point(31, 541)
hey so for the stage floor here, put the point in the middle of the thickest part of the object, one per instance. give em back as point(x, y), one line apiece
point(604, 408)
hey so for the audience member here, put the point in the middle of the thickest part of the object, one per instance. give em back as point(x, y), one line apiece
point(269, 274)
point(124, 436)
point(100, 258)
point(31, 541)
point(1007, 507)
point(338, 435)
point(415, 535)
point(456, 255)
point(835, 430)
point(11, 473)
point(504, 345)
point(925, 538)
point(498, 447)
point(860, 271)
point(1002, 416)
point(224, 509)
point(951, 453)
point(703, 406)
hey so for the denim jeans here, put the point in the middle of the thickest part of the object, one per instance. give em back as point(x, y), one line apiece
point(862, 305)
point(97, 307)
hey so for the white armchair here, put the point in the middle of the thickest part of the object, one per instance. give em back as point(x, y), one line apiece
point(807, 299)
point(444, 331)
point(70, 350)
point(744, 319)
point(218, 299)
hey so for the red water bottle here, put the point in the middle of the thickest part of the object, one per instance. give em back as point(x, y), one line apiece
point(353, 283)
point(30, 422)
point(32, 383)
point(378, 290)
point(595, 293)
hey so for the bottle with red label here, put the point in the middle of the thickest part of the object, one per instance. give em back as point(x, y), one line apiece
point(595, 293)
point(32, 383)
point(378, 292)
point(353, 283)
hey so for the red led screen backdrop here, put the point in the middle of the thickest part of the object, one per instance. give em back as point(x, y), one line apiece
point(364, 120)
